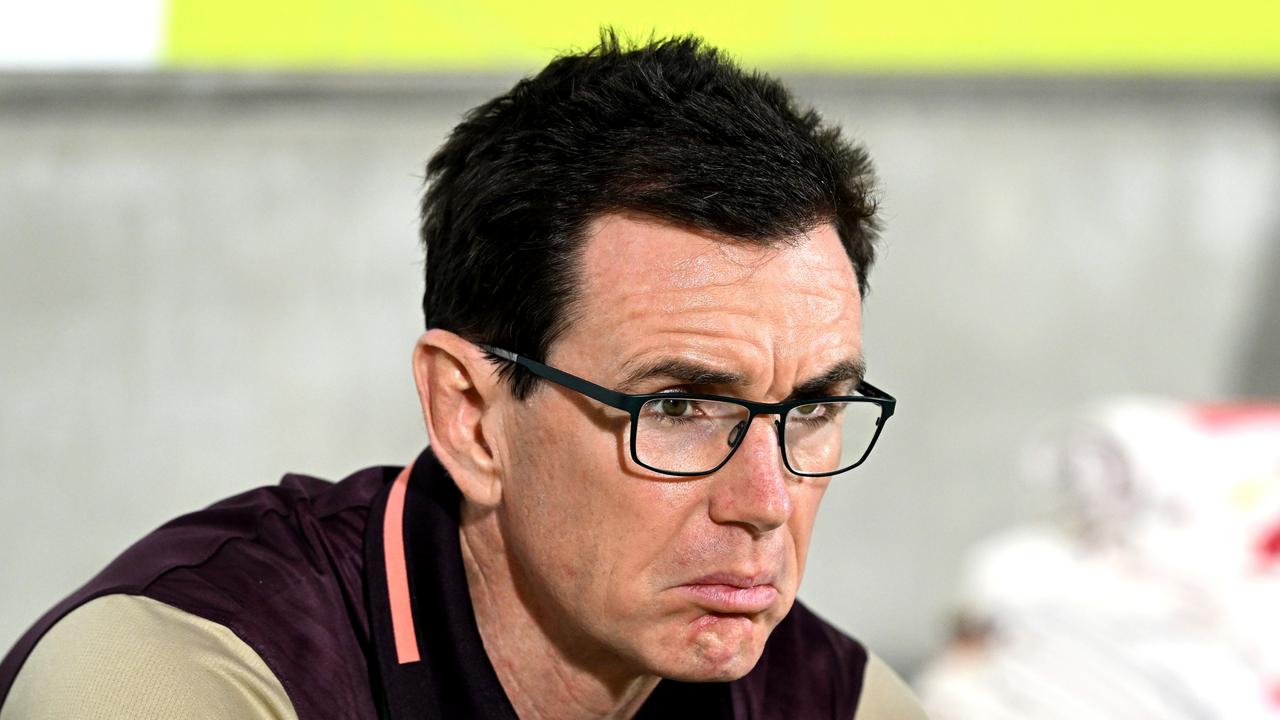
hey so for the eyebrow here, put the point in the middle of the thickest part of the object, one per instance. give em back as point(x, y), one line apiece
point(682, 371)
point(685, 372)
point(842, 372)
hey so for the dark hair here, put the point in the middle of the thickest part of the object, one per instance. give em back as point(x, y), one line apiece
point(671, 129)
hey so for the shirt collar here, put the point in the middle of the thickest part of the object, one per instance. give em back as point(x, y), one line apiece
point(430, 656)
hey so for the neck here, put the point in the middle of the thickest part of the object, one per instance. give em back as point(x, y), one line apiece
point(545, 672)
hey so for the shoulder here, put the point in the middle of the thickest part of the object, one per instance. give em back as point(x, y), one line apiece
point(885, 696)
point(301, 521)
point(279, 568)
point(127, 656)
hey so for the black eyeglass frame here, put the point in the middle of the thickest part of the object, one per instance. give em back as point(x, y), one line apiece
point(632, 404)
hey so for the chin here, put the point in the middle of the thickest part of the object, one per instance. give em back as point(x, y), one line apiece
point(715, 649)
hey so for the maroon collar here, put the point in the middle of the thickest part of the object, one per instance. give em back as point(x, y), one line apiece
point(430, 655)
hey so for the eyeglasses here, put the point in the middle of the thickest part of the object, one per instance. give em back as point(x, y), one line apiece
point(686, 434)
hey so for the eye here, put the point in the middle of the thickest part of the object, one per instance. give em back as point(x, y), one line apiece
point(675, 407)
point(808, 410)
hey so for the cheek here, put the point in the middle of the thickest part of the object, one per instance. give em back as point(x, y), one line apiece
point(800, 525)
point(547, 492)
point(586, 529)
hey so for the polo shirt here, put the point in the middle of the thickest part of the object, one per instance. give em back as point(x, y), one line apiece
point(311, 599)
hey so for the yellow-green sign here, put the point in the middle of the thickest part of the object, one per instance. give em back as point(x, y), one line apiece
point(1091, 36)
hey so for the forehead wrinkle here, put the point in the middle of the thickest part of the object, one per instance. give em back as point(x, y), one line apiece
point(722, 301)
point(788, 300)
point(751, 261)
point(716, 337)
point(750, 361)
point(703, 325)
point(793, 323)
point(714, 266)
point(707, 269)
point(729, 345)
point(721, 351)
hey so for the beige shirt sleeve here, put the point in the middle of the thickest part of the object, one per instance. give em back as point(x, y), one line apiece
point(127, 656)
point(884, 695)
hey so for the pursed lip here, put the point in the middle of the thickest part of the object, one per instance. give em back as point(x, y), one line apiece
point(732, 592)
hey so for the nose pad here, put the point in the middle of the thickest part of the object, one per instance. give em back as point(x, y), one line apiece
point(735, 433)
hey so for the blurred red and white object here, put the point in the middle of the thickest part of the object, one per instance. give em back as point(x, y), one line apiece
point(1158, 596)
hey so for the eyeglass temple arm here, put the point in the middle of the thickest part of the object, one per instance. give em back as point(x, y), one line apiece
point(609, 397)
point(870, 390)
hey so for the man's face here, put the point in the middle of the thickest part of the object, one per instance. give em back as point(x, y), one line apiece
point(645, 571)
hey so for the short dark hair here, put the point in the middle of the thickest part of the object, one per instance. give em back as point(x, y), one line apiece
point(670, 129)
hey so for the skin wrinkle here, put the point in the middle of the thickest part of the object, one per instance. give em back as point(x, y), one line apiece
point(701, 271)
point(698, 333)
point(579, 565)
point(667, 294)
point(488, 599)
point(685, 317)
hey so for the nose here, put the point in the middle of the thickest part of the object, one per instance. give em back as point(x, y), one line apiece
point(754, 489)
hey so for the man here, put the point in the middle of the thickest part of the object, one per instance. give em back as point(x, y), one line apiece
point(642, 368)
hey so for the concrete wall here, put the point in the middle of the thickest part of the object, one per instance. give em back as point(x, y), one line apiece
point(208, 281)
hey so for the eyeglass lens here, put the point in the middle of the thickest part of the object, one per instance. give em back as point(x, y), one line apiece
point(695, 436)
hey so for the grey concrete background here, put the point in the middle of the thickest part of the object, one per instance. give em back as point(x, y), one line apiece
point(206, 281)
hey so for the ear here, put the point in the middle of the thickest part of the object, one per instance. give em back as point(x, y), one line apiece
point(458, 388)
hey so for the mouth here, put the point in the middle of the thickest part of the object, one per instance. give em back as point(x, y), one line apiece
point(732, 593)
